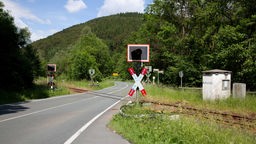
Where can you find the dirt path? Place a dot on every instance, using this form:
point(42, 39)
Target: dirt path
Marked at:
point(77, 90)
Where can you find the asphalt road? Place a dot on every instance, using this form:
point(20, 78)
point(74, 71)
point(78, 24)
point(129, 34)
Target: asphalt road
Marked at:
point(78, 118)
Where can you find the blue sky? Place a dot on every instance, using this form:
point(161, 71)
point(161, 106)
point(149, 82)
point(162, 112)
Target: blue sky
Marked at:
point(46, 17)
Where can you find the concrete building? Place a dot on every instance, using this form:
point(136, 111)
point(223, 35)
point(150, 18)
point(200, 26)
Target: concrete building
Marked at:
point(216, 84)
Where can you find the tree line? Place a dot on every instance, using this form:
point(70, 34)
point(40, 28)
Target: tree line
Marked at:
point(197, 35)
point(184, 35)
point(96, 44)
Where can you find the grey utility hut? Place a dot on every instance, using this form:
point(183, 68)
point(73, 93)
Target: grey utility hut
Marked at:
point(216, 84)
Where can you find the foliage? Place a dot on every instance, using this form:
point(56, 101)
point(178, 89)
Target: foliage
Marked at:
point(194, 36)
point(33, 59)
point(80, 64)
point(90, 52)
point(188, 35)
point(37, 91)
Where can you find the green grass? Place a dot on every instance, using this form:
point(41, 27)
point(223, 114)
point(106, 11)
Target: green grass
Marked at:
point(185, 130)
point(173, 94)
point(104, 84)
point(159, 129)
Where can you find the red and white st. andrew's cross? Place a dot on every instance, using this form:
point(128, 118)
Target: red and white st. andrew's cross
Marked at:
point(137, 81)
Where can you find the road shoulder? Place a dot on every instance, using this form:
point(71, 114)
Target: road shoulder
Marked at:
point(98, 132)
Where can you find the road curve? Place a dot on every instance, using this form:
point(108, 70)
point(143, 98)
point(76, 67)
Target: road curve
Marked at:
point(58, 120)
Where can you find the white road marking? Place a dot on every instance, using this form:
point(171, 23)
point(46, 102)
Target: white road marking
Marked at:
point(73, 137)
point(46, 109)
point(56, 97)
point(84, 127)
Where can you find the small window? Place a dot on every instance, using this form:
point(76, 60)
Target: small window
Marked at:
point(225, 85)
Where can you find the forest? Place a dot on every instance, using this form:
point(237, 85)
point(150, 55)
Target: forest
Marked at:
point(184, 35)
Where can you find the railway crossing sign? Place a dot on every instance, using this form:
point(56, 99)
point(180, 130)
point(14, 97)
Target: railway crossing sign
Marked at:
point(51, 70)
point(91, 72)
point(181, 74)
point(149, 70)
point(137, 81)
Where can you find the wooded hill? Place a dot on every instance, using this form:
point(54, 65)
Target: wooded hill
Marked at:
point(113, 30)
point(188, 35)
point(184, 35)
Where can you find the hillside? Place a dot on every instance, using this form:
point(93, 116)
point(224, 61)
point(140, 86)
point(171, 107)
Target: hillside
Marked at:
point(112, 29)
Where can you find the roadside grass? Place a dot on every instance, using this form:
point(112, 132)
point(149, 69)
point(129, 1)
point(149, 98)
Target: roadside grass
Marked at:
point(38, 91)
point(41, 90)
point(84, 84)
point(187, 129)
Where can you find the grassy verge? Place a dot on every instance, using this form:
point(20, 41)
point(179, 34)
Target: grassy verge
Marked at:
point(183, 131)
point(40, 90)
point(161, 129)
point(186, 129)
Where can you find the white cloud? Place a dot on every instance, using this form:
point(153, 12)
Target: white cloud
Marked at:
point(19, 13)
point(118, 6)
point(39, 34)
point(75, 5)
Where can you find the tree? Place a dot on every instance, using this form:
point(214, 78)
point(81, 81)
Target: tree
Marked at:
point(80, 65)
point(90, 52)
point(17, 70)
point(32, 58)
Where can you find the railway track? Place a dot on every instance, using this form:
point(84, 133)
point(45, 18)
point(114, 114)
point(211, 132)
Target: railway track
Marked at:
point(243, 121)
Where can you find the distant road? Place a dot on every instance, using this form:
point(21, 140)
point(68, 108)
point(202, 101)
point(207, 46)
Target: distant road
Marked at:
point(56, 120)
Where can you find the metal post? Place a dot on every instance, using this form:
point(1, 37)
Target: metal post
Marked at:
point(137, 67)
point(137, 97)
point(181, 82)
point(181, 76)
point(158, 78)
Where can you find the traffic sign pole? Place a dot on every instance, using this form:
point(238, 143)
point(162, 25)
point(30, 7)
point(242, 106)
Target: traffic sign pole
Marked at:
point(181, 76)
